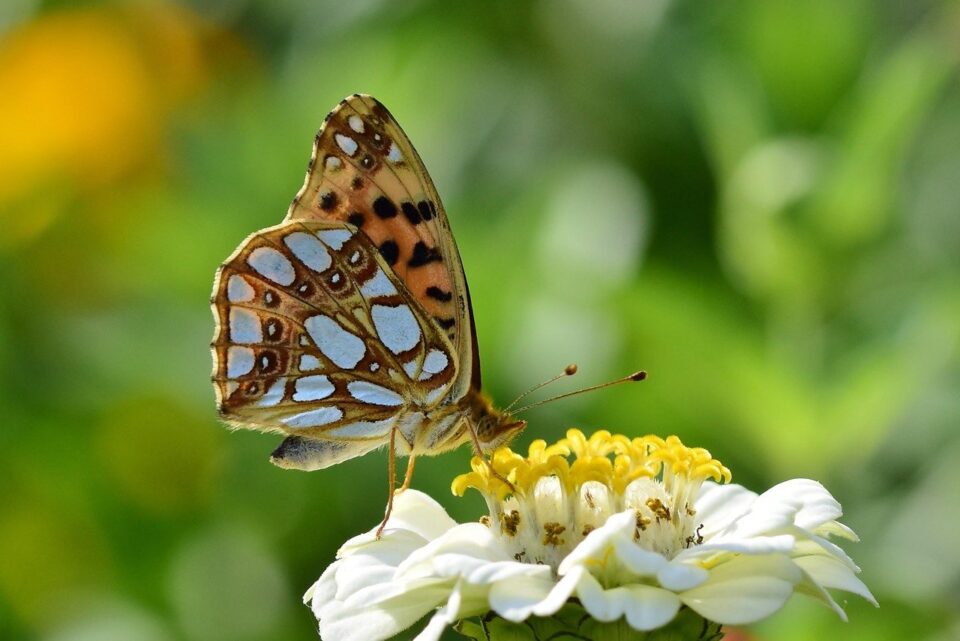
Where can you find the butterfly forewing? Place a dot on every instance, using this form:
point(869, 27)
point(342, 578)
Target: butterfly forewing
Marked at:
point(318, 337)
point(365, 171)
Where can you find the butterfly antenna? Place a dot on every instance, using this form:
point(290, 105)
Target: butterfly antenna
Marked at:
point(569, 370)
point(636, 376)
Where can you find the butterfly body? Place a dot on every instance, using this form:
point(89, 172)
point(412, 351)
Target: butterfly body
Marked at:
point(348, 326)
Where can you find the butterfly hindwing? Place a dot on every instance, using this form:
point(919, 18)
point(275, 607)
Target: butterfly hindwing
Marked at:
point(365, 171)
point(317, 337)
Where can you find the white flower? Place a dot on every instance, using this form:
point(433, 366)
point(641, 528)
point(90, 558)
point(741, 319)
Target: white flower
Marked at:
point(630, 528)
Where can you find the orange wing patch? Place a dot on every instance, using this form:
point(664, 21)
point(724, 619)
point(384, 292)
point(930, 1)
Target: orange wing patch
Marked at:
point(365, 172)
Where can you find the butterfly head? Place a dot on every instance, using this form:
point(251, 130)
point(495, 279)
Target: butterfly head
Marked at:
point(498, 430)
point(494, 428)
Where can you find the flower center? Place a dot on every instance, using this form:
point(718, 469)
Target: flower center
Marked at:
point(552, 502)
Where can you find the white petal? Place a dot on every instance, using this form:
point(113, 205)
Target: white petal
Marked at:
point(324, 590)
point(508, 570)
point(761, 519)
point(436, 626)
point(638, 560)
point(833, 528)
point(816, 504)
point(595, 544)
point(783, 544)
point(458, 606)
point(516, 599)
point(718, 506)
point(681, 576)
point(420, 513)
point(472, 544)
point(357, 573)
point(648, 607)
point(560, 593)
point(345, 623)
point(818, 545)
point(744, 590)
point(392, 549)
point(601, 605)
point(834, 574)
point(811, 588)
point(416, 512)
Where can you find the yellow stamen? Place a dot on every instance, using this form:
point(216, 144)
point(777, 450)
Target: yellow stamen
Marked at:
point(613, 460)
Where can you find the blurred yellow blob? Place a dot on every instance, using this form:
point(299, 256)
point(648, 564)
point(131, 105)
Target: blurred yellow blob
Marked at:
point(84, 97)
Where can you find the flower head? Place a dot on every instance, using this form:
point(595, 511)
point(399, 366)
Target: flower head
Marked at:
point(633, 529)
point(555, 503)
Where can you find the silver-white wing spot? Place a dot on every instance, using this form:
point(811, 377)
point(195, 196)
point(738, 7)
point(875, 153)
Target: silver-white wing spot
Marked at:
point(363, 429)
point(356, 123)
point(239, 290)
point(333, 163)
point(336, 343)
point(410, 367)
point(244, 326)
point(310, 251)
point(396, 327)
point(314, 418)
point(374, 394)
point(239, 361)
point(275, 394)
point(335, 238)
point(378, 285)
point(308, 362)
point(312, 388)
point(393, 154)
point(273, 265)
point(346, 143)
point(435, 362)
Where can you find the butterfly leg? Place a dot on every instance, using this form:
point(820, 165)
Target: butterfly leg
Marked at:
point(409, 475)
point(493, 472)
point(391, 480)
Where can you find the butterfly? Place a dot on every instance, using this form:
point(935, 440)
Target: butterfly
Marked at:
point(349, 326)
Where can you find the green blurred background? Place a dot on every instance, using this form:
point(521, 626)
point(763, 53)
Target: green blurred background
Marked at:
point(754, 200)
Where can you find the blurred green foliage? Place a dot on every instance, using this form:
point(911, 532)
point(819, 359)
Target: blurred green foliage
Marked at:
point(754, 200)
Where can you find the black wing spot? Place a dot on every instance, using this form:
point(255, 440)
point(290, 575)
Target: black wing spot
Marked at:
point(445, 323)
point(367, 162)
point(423, 255)
point(410, 212)
point(438, 294)
point(390, 252)
point(426, 211)
point(268, 361)
point(328, 200)
point(355, 219)
point(384, 207)
point(273, 330)
point(356, 183)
